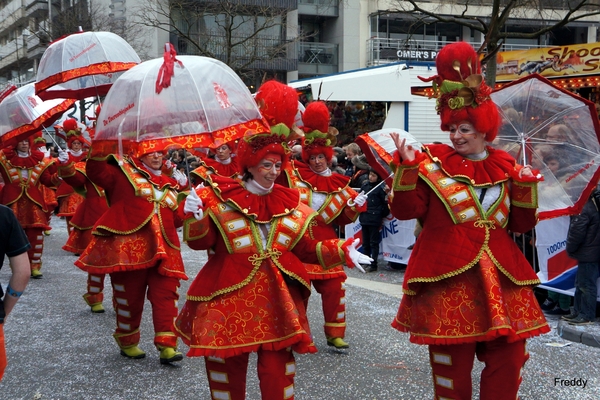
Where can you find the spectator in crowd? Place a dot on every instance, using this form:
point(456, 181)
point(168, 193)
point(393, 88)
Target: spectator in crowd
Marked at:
point(583, 244)
point(14, 244)
point(361, 171)
point(372, 219)
point(352, 150)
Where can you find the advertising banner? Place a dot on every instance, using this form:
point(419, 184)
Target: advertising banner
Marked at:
point(570, 60)
point(557, 270)
point(396, 237)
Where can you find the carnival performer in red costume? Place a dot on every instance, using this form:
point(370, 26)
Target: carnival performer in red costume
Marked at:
point(68, 198)
point(224, 164)
point(23, 170)
point(136, 242)
point(335, 202)
point(467, 288)
point(49, 193)
point(250, 296)
point(87, 214)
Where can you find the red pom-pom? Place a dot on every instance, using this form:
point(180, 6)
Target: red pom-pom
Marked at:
point(278, 103)
point(459, 53)
point(316, 117)
point(70, 125)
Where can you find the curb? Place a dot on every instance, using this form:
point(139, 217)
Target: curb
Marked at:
point(577, 334)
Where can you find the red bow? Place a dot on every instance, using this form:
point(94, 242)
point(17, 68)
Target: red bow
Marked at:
point(167, 69)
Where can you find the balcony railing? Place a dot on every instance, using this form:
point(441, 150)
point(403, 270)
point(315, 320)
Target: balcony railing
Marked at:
point(322, 8)
point(382, 50)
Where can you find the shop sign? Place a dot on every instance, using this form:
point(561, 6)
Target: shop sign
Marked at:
point(559, 61)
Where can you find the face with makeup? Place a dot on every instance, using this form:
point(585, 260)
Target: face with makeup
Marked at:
point(318, 163)
point(465, 139)
point(153, 160)
point(23, 146)
point(76, 145)
point(223, 152)
point(267, 170)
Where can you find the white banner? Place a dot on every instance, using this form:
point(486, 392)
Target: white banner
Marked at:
point(396, 237)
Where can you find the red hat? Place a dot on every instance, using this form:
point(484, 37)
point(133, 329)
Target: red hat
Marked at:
point(38, 139)
point(319, 137)
point(278, 104)
point(461, 91)
point(72, 132)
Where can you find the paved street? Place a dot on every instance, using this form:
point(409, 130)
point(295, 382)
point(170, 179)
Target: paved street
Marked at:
point(58, 349)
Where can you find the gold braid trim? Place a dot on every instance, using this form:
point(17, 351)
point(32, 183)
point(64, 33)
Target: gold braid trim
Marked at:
point(213, 216)
point(227, 289)
point(162, 228)
point(400, 175)
point(278, 339)
point(257, 259)
point(289, 273)
point(471, 335)
point(484, 248)
point(487, 224)
point(106, 228)
point(313, 223)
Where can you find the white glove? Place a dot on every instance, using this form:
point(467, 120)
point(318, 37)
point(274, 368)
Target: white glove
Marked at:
point(46, 152)
point(358, 200)
point(193, 204)
point(357, 257)
point(168, 164)
point(63, 156)
point(180, 177)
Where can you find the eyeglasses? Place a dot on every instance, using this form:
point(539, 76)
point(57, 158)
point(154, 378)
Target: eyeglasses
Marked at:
point(463, 130)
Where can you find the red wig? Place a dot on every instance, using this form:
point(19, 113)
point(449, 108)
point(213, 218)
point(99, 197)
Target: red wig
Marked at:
point(459, 63)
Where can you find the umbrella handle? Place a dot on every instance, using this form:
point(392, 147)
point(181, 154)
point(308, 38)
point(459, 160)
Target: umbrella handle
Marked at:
point(379, 184)
point(54, 140)
point(120, 142)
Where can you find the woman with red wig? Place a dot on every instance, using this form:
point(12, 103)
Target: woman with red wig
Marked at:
point(251, 294)
point(467, 288)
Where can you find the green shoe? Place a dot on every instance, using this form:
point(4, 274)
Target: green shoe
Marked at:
point(337, 342)
point(169, 355)
point(36, 274)
point(97, 308)
point(133, 352)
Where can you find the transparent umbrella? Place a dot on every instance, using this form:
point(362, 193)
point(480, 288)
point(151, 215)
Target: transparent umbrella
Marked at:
point(379, 148)
point(22, 113)
point(556, 132)
point(188, 101)
point(83, 64)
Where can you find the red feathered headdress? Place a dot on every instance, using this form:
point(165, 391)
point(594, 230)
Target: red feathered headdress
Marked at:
point(319, 137)
point(462, 94)
point(278, 104)
point(72, 132)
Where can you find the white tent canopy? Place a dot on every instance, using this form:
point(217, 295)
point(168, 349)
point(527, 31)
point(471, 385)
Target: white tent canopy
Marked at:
point(384, 83)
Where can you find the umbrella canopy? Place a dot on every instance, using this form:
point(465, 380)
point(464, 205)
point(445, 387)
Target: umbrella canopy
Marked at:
point(556, 132)
point(204, 103)
point(379, 148)
point(22, 113)
point(83, 64)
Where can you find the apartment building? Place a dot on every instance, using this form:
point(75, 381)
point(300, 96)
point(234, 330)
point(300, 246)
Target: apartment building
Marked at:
point(318, 37)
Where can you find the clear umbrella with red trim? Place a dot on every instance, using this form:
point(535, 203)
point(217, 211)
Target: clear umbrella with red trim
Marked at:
point(175, 102)
point(83, 64)
point(22, 113)
point(556, 132)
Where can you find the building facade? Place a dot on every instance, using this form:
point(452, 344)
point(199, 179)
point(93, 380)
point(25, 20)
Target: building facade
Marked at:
point(310, 38)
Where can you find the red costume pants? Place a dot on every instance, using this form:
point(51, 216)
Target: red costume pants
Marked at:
point(95, 287)
point(333, 297)
point(451, 367)
point(129, 290)
point(276, 372)
point(36, 239)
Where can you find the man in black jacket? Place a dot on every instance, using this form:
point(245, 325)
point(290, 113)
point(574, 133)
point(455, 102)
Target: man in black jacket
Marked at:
point(583, 244)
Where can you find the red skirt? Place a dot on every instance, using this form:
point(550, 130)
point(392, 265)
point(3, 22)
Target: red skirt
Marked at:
point(142, 249)
point(267, 313)
point(480, 304)
point(69, 204)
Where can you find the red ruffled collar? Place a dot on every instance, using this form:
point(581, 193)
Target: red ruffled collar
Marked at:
point(279, 201)
point(160, 181)
point(34, 158)
point(231, 169)
point(319, 183)
point(493, 169)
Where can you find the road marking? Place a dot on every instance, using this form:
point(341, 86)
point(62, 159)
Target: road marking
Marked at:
point(385, 288)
